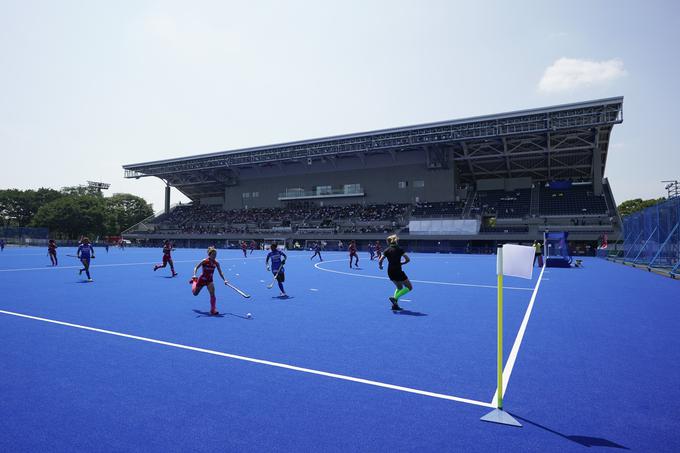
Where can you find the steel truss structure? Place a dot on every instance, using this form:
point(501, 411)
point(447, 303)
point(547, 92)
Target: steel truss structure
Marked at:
point(560, 142)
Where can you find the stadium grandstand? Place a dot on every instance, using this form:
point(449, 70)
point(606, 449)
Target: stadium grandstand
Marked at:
point(460, 184)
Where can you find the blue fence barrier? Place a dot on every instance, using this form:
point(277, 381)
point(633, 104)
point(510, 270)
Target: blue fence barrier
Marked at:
point(652, 236)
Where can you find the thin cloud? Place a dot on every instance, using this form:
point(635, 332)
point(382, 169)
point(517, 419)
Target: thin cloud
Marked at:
point(569, 73)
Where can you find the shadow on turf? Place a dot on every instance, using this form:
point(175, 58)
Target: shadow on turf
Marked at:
point(207, 314)
point(221, 315)
point(283, 297)
point(586, 441)
point(409, 313)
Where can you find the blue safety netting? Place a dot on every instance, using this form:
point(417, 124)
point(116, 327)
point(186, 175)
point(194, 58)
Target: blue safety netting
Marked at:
point(652, 236)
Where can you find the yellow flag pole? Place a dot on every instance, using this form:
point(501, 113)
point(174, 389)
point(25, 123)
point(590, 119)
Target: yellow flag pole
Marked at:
point(498, 415)
point(499, 403)
point(499, 271)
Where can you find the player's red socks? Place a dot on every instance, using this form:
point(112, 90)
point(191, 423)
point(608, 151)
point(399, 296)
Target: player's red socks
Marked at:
point(213, 303)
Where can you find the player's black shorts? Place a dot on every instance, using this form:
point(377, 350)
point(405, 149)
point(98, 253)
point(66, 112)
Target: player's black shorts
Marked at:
point(397, 276)
point(281, 277)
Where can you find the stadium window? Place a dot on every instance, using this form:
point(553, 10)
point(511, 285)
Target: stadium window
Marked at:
point(402, 184)
point(246, 195)
point(352, 188)
point(255, 194)
point(419, 183)
point(324, 190)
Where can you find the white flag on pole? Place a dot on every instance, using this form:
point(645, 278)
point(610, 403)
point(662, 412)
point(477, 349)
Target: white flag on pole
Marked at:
point(517, 261)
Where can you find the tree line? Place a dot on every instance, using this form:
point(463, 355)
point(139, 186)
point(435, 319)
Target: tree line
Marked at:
point(638, 204)
point(72, 211)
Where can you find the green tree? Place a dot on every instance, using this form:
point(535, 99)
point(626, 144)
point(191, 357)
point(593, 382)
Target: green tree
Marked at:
point(17, 207)
point(72, 215)
point(124, 210)
point(638, 204)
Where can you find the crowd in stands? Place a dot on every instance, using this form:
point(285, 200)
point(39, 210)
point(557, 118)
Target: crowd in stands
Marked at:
point(513, 204)
point(438, 209)
point(197, 219)
point(578, 200)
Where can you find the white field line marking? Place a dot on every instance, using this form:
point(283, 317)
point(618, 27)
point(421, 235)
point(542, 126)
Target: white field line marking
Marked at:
point(317, 265)
point(260, 361)
point(507, 371)
point(47, 267)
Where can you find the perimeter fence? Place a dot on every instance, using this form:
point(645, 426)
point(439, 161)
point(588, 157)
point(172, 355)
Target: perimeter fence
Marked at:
point(652, 237)
point(24, 235)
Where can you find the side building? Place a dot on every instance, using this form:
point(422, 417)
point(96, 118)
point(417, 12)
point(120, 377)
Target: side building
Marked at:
point(474, 181)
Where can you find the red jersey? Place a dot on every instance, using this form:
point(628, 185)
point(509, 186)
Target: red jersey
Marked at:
point(352, 249)
point(208, 266)
point(243, 245)
point(52, 248)
point(166, 250)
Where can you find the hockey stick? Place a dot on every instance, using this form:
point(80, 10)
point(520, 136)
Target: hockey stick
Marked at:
point(270, 285)
point(247, 296)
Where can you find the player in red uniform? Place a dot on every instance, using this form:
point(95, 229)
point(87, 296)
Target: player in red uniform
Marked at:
point(167, 259)
point(244, 247)
point(253, 244)
point(378, 249)
point(206, 279)
point(52, 251)
point(353, 254)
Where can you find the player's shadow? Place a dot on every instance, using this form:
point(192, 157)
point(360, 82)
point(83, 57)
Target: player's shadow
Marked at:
point(207, 314)
point(283, 297)
point(409, 313)
point(585, 441)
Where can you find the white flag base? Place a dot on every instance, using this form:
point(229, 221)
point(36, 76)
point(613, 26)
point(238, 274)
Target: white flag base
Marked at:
point(500, 416)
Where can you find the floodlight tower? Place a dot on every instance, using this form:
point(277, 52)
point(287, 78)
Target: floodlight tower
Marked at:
point(673, 188)
point(98, 185)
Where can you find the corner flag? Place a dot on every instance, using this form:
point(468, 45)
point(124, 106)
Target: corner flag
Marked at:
point(515, 261)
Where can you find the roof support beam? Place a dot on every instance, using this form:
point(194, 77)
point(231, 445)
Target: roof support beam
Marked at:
point(466, 155)
point(507, 156)
point(547, 153)
point(597, 164)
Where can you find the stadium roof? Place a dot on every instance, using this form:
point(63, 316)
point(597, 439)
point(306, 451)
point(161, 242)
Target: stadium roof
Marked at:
point(558, 142)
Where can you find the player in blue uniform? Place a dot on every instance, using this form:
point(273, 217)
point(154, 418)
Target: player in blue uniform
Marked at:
point(85, 253)
point(278, 259)
point(2, 245)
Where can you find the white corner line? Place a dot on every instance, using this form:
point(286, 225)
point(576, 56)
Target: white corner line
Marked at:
point(429, 282)
point(512, 358)
point(259, 361)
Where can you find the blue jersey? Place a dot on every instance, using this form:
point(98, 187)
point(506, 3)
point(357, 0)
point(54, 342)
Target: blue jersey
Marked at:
point(85, 250)
point(277, 257)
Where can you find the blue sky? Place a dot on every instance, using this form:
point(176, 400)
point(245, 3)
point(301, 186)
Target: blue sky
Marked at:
point(87, 86)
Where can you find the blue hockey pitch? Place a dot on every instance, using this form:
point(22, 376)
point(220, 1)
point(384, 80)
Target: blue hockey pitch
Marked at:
point(133, 362)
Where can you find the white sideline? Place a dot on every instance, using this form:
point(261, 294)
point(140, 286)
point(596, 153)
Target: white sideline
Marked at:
point(471, 285)
point(260, 361)
point(512, 358)
point(46, 267)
